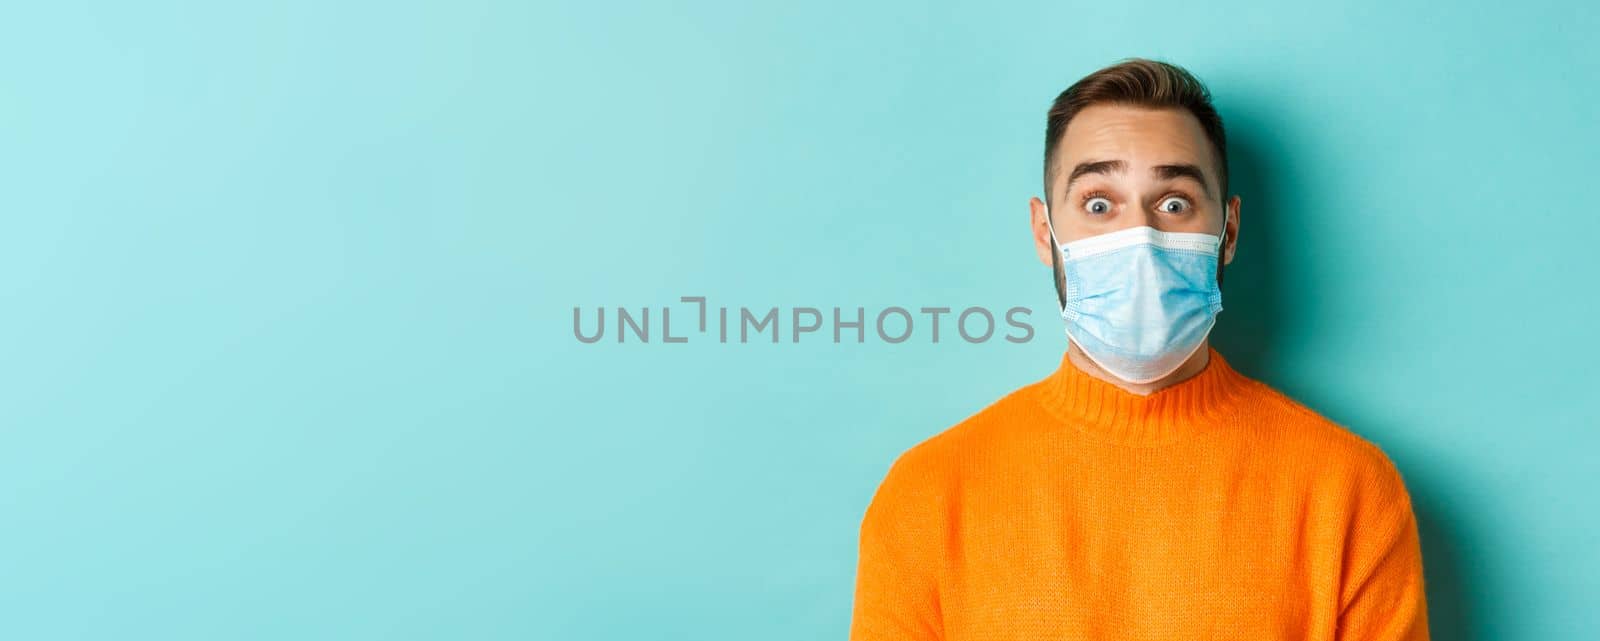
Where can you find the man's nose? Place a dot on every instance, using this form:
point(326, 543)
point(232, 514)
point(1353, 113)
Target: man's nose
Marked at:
point(1143, 217)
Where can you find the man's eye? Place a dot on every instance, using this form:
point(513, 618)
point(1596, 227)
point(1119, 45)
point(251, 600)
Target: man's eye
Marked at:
point(1097, 205)
point(1174, 205)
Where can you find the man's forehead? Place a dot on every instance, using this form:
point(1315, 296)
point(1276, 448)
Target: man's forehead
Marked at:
point(1166, 143)
point(1141, 136)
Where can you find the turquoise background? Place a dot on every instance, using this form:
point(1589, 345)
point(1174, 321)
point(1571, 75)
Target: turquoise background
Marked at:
point(288, 289)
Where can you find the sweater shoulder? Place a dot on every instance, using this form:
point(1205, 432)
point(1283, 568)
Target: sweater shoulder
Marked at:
point(1327, 447)
point(941, 455)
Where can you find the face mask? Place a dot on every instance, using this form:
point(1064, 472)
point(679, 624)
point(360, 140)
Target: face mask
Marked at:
point(1139, 302)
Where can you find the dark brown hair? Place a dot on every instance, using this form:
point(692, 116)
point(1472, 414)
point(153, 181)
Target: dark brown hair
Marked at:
point(1139, 82)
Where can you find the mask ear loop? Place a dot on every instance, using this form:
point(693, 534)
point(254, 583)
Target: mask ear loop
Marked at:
point(1222, 244)
point(1057, 271)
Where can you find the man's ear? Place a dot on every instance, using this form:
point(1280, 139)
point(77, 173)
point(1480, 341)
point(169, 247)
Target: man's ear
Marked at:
point(1232, 241)
point(1041, 233)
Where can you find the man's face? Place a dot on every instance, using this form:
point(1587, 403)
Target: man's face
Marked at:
point(1119, 166)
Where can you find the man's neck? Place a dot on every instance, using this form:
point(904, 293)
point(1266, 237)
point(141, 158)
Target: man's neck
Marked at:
point(1197, 362)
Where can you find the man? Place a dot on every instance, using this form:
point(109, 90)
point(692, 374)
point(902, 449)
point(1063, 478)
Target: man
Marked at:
point(1145, 489)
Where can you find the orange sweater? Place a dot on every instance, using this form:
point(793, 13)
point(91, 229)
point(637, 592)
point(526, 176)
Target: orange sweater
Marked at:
point(1071, 509)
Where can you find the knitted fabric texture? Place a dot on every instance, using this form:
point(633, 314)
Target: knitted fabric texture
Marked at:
point(1071, 509)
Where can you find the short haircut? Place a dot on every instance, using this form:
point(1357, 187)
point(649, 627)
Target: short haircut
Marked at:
point(1143, 83)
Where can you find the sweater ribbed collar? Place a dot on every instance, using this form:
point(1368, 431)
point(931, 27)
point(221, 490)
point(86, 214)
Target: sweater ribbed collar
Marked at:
point(1104, 412)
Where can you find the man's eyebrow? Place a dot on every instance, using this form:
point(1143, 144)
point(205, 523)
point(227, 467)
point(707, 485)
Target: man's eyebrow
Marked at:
point(1095, 167)
point(1169, 172)
point(1164, 172)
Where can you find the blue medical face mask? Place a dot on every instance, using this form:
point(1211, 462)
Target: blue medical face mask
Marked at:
point(1139, 302)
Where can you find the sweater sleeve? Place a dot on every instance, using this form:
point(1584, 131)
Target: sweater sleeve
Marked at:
point(1383, 597)
point(896, 595)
